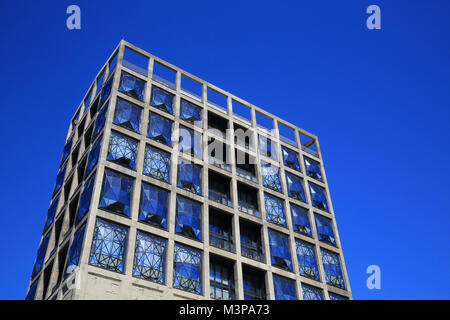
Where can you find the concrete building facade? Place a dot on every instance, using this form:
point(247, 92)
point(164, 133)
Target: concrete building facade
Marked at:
point(237, 208)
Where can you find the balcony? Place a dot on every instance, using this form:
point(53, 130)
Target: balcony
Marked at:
point(245, 166)
point(217, 125)
point(247, 200)
point(219, 189)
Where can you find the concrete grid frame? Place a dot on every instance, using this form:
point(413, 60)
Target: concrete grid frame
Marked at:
point(90, 282)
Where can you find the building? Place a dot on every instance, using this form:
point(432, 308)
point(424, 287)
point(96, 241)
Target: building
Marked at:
point(139, 213)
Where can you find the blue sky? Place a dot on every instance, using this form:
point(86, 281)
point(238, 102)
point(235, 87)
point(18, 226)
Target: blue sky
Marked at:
point(378, 100)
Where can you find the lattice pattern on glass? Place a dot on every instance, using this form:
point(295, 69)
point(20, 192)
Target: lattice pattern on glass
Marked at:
point(149, 257)
point(332, 267)
point(75, 250)
point(270, 176)
point(311, 293)
point(307, 262)
point(313, 169)
point(108, 246)
point(325, 230)
point(116, 193)
point(188, 219)
point(274, 210)
point(295, 187)
point(318, 197)
point(187, 269)
point(157, 164)
point(85, 198)
point(153, 206)
point(122, 150)
point(300, 220)
point(290, 158)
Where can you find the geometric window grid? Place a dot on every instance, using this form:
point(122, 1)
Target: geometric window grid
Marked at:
point(311, 293)
point(85, 198)
point(60, 178)
point(160, 129)
point(93, 156)
point(132, 86)
point(162, 100)
point(188, 218)
point(318, 197)
point(334, 296)
point(189, 177)
point(51, 213)
point(116, 193)
point(332, 267)
point(122, 150)
point(307, 263)
point(279, 250)
point(190, 142)
point(325, 230)
point(191, 113)
point(270, 176)
point(108, 246)
point(187, 269)
point(295, 187)
point(300, 220)
point(127, 115)
point(284, 288)
point(75, 250)
point(40, 255)
point(100, 121)
point(313, 169)
point(157, 164)
point(149, 257)
point(274, 210)
point(267, 148)
point(290, 158)
point(153, 206)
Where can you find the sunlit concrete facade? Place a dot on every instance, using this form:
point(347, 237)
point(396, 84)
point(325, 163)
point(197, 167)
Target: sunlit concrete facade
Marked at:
point(98, 200)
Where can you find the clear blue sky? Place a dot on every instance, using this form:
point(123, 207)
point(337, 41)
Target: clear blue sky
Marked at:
point(378, 100)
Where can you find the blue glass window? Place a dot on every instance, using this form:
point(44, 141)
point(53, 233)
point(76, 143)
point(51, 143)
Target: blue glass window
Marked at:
point(191, 113)
point(108, 246)
point(189, 176)
point(116, 193)
point(267, 147)
point(32, 292)
point(127, 115)
point(290, 158)
point(325, 230)
point(51, 213)
point(279, 250)
point(160, 129)
point(41, 255)
point(313, 169)
point(274, 210)
point(153, 207)
point(85, 198)
point(187, 269)
point(334, 296)
point(162, 100)
point(270, 176)
point(318, 197)
point(307, 262)
point(190, 142)
point(295, 187)
point(93, 155)
point(332, 267)
point(157, 164)
point(132, 86)
point(60, 178)
point(100, 121)
point(284, 288)
point(311, 293)
point(106, 91)
point(300, 220)
point(67, 148)
point(75, 250)
point(188, 220)
point(149, 257)
point(122, 150)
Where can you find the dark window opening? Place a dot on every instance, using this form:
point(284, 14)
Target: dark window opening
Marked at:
point(88, 136)
point(217, 123)
point(219, 188)
point(67, 188)
point(221, 278)
point(248, 200)
point(220, 231)
point(94, 107)
point(218, 154)
point(254, 283)
point(80, 170)
point(75, 156)
point(58, 227)
point(243, 137)
point(61, 263)
point(251, 245)
point(73, 211)
point(47, 275)
point(245, 166)
point(81, 128)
